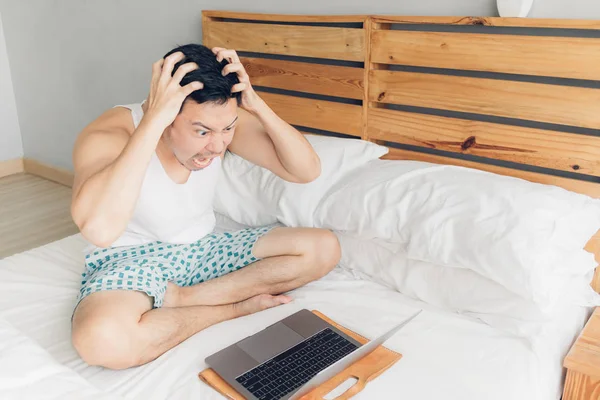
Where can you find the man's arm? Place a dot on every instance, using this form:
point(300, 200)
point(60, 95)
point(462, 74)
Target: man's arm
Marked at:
point(110, 164)
point(262, 137)
point(109, 170)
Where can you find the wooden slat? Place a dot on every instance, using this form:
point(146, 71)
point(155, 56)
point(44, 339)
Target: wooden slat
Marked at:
point(588, 188)
point(564, 57)
point(584, 356)
point(284, 17)
point(549, 149)
point(579, 386)
point(317, 114)
point(306, 41)
point(493, 21)
point(305, 77)
point(523, 100)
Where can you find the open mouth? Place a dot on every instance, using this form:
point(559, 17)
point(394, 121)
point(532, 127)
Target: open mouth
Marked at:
point(202, 162)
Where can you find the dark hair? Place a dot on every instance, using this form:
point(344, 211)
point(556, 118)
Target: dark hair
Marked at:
point(217, 88)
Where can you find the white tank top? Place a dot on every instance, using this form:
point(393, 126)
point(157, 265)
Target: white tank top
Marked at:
point(167, 211)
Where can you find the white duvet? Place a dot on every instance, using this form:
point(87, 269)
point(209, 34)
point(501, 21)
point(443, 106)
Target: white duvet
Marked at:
point(445, 355)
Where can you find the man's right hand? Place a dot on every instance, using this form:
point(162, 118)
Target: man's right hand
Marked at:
point(166, 94)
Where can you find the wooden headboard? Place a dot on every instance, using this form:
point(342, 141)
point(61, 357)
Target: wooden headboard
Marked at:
point(513, 96)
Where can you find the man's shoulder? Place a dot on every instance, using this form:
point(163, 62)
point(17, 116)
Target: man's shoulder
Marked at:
point(116, 120)
point(113, 128)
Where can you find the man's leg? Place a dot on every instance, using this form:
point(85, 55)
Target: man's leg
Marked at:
point(118, 329)
point(290, 258)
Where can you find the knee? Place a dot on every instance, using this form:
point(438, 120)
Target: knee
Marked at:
point(104, 342)
point(325, 252)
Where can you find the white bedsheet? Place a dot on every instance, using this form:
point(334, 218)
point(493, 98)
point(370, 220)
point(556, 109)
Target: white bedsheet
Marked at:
point(27, 371)
point(445, 355)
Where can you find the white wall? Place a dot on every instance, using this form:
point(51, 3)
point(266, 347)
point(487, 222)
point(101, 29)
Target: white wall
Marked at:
point(10, 134)
point(571, 9)
point(73, 59)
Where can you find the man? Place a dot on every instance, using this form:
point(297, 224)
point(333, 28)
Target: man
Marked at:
point(144, 181)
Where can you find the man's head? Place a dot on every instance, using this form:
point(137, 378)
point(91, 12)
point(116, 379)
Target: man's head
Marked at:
point(205, 125)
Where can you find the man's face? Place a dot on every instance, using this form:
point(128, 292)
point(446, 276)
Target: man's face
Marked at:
point(202, 132)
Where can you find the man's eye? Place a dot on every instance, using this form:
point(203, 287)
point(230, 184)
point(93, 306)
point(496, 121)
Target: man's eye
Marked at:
point(201, 133)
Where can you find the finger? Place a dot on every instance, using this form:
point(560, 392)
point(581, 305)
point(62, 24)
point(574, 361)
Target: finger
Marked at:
point(157, 67)
point(173, 59)
point(156, 70)
point(230, 55)
point(238, 87)
point(192, 87)
point(168, 65)
point(183, 70)
point(237, 68)
point(216, 50)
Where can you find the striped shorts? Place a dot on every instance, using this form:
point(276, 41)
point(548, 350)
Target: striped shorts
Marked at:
point(148, 268)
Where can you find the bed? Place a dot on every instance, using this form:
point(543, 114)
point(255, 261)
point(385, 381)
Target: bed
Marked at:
point(491, 96)
point(445, 355)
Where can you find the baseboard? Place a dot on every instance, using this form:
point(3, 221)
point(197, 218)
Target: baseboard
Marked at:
point(10, 167)
point(55, 174)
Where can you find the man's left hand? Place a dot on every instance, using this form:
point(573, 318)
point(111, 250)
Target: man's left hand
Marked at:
point(250, 99)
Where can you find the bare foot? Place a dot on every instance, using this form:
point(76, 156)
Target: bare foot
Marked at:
point(172, 296)
point(259, 303)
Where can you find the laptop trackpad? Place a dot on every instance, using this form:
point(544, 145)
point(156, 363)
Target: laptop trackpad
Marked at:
point(270, 342)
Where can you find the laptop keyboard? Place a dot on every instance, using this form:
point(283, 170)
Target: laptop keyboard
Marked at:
point(291, 369)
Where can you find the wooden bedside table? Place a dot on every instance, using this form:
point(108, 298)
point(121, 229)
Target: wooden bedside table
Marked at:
point(583, 363)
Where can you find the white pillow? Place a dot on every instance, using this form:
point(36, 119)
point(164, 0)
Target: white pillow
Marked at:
point(457, 290)
point(525, 236)
point(254, 196)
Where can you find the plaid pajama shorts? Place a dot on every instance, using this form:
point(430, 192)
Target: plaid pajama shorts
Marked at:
point(148, 268)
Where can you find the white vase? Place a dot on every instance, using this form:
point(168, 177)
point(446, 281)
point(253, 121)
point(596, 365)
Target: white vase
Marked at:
point(514, 8)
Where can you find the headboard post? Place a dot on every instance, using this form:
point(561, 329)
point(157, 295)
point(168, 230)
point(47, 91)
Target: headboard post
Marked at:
point(367, 27)
point(205, 25)
point(370, 66)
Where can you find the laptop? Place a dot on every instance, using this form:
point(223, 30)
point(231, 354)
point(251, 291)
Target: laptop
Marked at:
point(291, 357)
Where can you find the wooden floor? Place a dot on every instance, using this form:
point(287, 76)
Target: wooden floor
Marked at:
point(33, 212)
